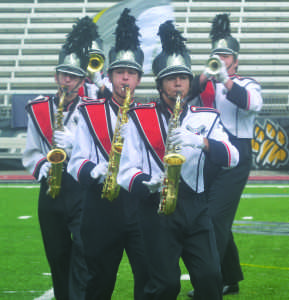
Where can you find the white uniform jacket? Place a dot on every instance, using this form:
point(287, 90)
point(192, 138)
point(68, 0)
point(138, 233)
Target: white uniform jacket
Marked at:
point(41, 115)
point(144, 145)
point(94, 135)
point(239, 106)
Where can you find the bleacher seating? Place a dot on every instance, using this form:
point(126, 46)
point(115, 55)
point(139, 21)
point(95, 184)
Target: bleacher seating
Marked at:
point(32, 32)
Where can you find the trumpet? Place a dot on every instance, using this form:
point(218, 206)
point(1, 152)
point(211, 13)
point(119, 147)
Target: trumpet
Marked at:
point(95, 64)
point(213, 65)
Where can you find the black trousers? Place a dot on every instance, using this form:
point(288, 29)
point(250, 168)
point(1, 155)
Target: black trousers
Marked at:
point(224, 195)
point(188, 234)
point(59, 220)
point(109, 228)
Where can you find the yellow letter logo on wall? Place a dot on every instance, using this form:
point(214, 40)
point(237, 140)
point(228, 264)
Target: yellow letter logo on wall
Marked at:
point(270, 144)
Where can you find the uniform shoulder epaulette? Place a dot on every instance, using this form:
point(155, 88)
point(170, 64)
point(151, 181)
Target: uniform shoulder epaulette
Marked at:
point(90, 101)
point(145, 105)
point(38, 99)
point(204, 109)
point(241, 78)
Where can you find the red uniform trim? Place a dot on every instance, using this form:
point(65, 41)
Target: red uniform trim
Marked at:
point(149, 122)
point(98, 117)
point(208, 95)
point(42, 114)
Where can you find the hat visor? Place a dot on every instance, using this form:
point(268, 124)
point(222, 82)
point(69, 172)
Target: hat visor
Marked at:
point(223, 51)
point(71, 70)
point(174, 70)
point(125, 64)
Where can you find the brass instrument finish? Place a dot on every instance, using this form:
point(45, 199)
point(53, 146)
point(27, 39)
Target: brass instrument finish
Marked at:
point(110, 188)
point(213, 66)
point(95, 64)
point(56, 156)
point(173, 162)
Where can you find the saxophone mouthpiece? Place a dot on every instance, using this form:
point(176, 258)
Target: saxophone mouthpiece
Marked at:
point(125, 87)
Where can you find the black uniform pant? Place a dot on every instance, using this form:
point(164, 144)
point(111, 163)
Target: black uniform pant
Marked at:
point(224, 195)
point(109, 228)
point(188, 234)
point(59, 220)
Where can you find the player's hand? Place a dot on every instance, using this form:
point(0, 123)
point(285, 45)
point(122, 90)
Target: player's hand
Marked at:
point(63, 139)
point(154, 185)
point(184, 137)
point(99, 170)
point(97, 79)
point(44, 170)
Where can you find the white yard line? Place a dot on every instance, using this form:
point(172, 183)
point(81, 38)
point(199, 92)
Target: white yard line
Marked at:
point(48, 295)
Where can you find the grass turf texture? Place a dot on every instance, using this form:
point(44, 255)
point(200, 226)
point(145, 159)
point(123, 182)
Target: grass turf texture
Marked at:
point(23, 264)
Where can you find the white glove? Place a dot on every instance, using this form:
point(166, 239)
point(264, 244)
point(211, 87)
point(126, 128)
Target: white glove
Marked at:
point(222, 76)
point(154, 185)
point(44, 170)
point(123, 130)
point(184, 137)
point(97, 79)
point(99, 170)
point(63, 139)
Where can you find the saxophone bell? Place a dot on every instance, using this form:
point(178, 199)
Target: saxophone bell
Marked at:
point(56, 157)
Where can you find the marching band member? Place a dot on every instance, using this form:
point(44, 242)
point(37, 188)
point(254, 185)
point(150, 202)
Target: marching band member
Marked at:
point(96, 86)
point(109, 227)
point(187, 232)
point(52, 125)
point(239, 100)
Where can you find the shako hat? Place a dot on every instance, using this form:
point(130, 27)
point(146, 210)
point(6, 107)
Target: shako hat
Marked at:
point(222, 40)
point(126, 53)
point(74, 54)
point(174, 57)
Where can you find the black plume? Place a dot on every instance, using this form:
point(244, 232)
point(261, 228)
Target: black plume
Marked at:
point(127, 32)
point(171, 39)
point(79, 40)
point(220, 27)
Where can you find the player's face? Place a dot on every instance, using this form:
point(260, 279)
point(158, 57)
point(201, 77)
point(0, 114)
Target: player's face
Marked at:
point(122, 77)
point(173, 84)
point(71, 82)
point(230, 62)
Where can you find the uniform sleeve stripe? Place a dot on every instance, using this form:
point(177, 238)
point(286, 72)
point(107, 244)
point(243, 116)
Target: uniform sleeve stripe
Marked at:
point(38, 166)
point(229, 154)
point(81, 168)
point(132, 180)
point(248, 100)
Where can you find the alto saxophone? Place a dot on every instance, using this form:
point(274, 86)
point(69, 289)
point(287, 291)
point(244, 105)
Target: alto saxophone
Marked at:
point(173, 162)
point(57, 155)
point(111, 188)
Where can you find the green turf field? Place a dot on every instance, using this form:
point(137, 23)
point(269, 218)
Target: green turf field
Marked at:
point(262, 235)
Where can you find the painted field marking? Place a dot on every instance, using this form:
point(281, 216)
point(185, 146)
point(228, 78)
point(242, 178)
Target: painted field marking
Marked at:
point(48, 295)
point(265, 267)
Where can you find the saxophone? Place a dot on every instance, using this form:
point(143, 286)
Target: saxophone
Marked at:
point(111, 188)
point(57, 155)
point(173, 163)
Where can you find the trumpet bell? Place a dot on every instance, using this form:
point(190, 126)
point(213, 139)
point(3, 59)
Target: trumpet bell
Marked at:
point(95, 63)
point(213, 66)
